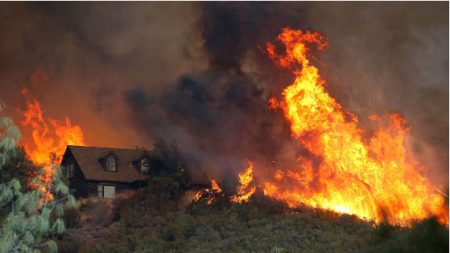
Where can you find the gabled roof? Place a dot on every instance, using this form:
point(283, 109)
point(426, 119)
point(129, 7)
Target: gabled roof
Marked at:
point(88, 158)
point(88, 161)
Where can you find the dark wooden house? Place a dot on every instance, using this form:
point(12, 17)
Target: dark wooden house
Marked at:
point(103, 172)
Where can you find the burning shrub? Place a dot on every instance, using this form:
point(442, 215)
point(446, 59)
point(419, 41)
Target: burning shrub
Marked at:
point(151, 222)
point(32, 222)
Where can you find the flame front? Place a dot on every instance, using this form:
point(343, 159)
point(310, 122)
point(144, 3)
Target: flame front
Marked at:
point(244, 191)
point(375, 179)
point(46, 142)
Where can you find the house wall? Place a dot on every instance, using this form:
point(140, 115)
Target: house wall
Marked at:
point(89, 188)
point(77, 183)
point(92, 187)
point(80, 187)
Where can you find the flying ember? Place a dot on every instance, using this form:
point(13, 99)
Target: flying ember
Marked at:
point(374, 178)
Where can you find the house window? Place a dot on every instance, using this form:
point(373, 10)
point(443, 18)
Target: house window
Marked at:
point(100, 191)
point(70, 170)
point(111, 164)
point(106, 191)
point(145, 165)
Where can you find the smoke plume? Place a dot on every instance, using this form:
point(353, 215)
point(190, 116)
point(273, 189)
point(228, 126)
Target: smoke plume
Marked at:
point(129, 73)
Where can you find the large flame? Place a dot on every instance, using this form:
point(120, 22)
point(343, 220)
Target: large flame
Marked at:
point(244, 190)
point(375, 178)
point(45, 142)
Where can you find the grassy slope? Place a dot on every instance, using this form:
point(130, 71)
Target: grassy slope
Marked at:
point(151, 223)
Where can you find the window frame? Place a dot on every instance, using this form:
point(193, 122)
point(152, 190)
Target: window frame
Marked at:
point(70, 170)
point(114, 191)
point(101, 190)
point(145, 161)
point(111, 160)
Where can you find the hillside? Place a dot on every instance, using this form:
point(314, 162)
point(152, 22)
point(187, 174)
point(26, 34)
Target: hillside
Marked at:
point(150, 222)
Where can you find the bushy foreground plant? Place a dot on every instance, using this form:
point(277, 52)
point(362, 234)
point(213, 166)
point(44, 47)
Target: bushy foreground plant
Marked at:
point(31, 223)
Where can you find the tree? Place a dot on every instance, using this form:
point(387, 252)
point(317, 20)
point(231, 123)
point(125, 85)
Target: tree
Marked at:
point(18, 166)
point(31, 223)
point(169, 170)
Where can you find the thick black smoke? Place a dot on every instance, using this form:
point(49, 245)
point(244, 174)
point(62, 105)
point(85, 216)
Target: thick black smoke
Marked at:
point(220, 115)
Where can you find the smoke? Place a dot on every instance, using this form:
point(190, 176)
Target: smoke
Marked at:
point(194, 72)
point(90, 54)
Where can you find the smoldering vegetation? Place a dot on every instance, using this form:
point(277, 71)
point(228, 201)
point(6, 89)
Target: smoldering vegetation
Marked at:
point(131, 73)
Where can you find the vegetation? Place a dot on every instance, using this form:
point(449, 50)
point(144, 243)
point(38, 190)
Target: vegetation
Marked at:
point(19, 167)
point(152, 219)
point(151, 222)
point(169, 172)
point(27, 223)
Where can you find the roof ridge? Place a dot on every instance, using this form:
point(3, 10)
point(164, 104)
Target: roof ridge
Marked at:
point(132, 149)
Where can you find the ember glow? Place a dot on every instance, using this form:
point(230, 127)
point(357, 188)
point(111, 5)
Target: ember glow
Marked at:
point(47, 141)
point(374, 178)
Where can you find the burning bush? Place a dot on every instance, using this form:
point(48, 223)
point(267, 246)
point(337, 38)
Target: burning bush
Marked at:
point(31, 223)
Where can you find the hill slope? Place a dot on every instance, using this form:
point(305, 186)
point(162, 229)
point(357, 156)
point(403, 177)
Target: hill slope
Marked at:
point(149, 222)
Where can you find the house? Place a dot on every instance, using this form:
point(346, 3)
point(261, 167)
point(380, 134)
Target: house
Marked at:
point(103, 171)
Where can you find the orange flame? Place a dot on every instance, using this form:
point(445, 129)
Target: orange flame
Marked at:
point(49, 138)
point(377, 180)
point(215, 186)
point(244, 191)
point(209, 194)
